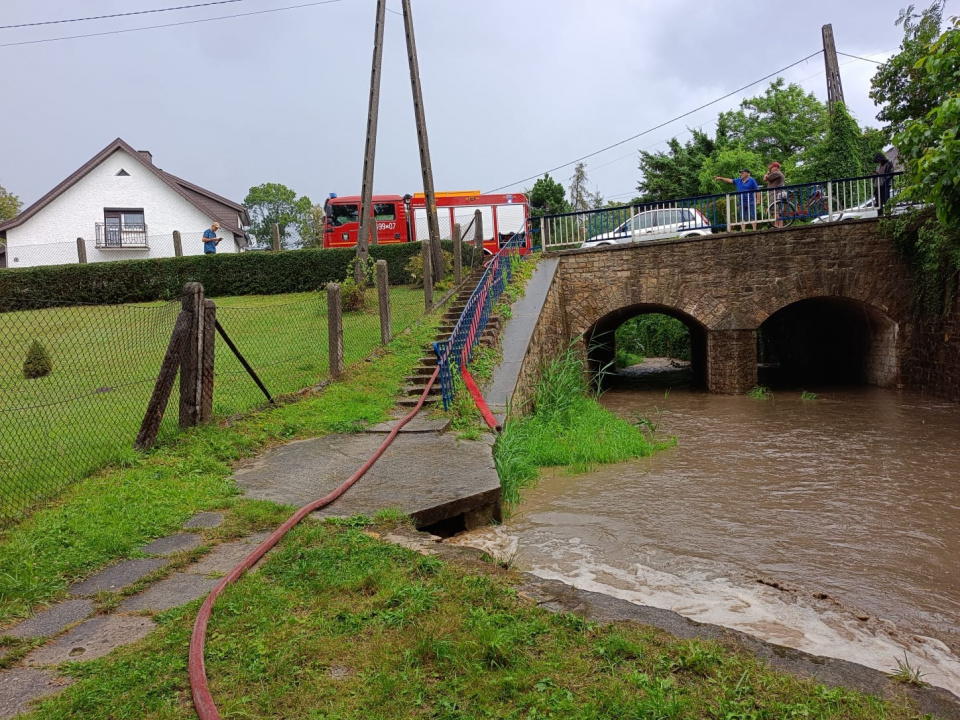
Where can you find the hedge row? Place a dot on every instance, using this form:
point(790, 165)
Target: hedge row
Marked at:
point(250, 273)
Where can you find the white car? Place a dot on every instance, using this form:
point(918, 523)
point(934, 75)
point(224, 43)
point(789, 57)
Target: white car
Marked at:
point(866, 211)
point(655, 225)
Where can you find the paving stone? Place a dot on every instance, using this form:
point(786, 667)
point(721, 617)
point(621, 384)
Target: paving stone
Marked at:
point(93, 639)
point(19, 686)
point(204, 520)
point(222, 559)
point(53, 620)
point(176, 590)
point(173, 544)
point(116, 577)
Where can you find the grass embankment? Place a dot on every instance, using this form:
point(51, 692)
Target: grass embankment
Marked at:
point(339, 624)
point(110, 514)
point(567, 428)
point(86, 413)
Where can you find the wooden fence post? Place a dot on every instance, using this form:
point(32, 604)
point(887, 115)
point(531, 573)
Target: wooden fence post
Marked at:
point(81, 251)
point(383, 296)
point(150, 426)
point(192, 303)
point(177, 244)
point(207, 362)
point(457, 255)
point(478, 234)
point(427, 275)
point(335, 330)
point(275, 229)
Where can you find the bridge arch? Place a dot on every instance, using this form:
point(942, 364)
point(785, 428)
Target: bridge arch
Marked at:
point(600, 337)
point(832, 340)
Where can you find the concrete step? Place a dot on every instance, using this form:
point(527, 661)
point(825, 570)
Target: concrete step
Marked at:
point(410, 401)
point(424, 370)
point(417, 391)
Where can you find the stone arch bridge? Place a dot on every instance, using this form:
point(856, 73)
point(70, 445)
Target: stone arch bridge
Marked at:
point(834, 300)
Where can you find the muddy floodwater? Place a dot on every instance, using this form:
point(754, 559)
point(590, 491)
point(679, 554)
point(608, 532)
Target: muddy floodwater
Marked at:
point(831, 526)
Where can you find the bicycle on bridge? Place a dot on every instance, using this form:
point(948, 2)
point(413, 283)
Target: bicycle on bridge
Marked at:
point(790, 205)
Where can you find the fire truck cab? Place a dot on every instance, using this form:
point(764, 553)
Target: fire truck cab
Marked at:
point(404, 219)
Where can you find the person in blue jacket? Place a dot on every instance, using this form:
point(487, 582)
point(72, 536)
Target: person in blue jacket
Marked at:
point(747, 188)
point(210, 239)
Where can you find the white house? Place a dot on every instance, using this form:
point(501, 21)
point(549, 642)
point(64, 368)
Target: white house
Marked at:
point(124, 208)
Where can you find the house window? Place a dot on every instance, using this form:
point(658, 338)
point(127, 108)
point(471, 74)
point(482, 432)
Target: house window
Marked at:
point(122, 228)
point(123, 173)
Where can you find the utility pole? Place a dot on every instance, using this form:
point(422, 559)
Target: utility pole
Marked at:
point(834, 86)
point(370, 152)
point(426, 167)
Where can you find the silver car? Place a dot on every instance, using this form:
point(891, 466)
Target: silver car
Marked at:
point(655, 225)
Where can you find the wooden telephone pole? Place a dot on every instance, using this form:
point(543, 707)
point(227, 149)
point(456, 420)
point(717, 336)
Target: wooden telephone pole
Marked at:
point(834, 86)
point(369, 156)
point(426, 167)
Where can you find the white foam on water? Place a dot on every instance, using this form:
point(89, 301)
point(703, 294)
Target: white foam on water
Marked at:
point(772, 615)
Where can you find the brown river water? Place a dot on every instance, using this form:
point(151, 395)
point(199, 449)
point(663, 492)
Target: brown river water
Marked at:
point(830, 526)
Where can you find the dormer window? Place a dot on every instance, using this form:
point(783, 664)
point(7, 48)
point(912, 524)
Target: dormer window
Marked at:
point(123, 173)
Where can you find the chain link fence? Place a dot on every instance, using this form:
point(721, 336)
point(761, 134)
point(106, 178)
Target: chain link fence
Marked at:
point(75, 382)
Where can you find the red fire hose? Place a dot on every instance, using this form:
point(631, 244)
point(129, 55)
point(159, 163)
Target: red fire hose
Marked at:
point(202, 699)
point(478, 399)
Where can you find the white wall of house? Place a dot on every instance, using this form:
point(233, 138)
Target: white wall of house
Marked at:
point(50, 237)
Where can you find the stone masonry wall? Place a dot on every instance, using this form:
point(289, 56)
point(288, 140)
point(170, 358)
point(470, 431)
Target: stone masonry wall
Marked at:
point(549, 339)
point(932, 364)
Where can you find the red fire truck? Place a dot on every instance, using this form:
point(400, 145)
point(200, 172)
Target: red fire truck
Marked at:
point(404, 219)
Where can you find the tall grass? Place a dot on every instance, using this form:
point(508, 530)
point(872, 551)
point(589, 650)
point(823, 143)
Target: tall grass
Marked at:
point(568, 427)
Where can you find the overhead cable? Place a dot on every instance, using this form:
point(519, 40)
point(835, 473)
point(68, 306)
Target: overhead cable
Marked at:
point(176, 24)
point(118, 15)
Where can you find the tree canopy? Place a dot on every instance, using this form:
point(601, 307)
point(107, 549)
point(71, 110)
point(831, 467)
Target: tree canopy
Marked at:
point(782, 124)
point(9, 205)
point(547, 197)
point(840, 153)
point(929, 144)
point(675, 173)
point(275, 203)
point(903, 88)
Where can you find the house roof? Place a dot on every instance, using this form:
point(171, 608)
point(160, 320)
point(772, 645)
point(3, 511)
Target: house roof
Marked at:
point(210, 204)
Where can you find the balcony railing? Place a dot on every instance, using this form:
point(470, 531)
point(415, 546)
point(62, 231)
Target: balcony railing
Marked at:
point(121, 236)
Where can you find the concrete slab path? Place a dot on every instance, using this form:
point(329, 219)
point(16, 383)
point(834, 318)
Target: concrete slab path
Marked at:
point(53, 621)
point(20, 686)
point(430, 477)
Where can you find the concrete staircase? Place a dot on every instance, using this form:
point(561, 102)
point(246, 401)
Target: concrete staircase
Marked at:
point(418, 379)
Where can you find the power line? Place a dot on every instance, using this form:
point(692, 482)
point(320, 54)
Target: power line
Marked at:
point(857, 57)
point(663, 124)
point(168, 25)
point(117, 15)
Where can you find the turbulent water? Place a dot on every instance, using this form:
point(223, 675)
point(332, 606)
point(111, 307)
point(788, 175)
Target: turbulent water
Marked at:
point(830, 526)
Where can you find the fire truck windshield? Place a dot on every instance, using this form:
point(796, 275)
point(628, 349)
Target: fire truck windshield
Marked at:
point(345, 214)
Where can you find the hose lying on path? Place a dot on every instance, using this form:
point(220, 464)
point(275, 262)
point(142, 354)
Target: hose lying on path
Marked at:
point(202, 699)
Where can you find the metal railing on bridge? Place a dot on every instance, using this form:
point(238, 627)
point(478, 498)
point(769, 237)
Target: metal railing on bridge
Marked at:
point(815, 202)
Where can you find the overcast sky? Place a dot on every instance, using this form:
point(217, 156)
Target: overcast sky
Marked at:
point(511, 88)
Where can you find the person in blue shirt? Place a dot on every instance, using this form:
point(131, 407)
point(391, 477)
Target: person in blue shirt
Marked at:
point(747, 188)
point(210, 239)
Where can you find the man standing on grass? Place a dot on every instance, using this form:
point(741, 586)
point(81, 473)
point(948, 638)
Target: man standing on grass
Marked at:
point(747, 189)
point(210, 239)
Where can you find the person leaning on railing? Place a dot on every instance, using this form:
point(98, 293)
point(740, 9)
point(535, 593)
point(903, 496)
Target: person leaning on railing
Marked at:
point(775, 180)
point(747, 188)
point(881, 186)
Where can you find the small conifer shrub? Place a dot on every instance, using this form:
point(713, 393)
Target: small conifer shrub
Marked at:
point(38, 363)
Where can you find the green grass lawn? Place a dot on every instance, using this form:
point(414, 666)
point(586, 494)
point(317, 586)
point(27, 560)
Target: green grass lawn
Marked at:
point(86, 413)
point(339, 624)
point(111, 513)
